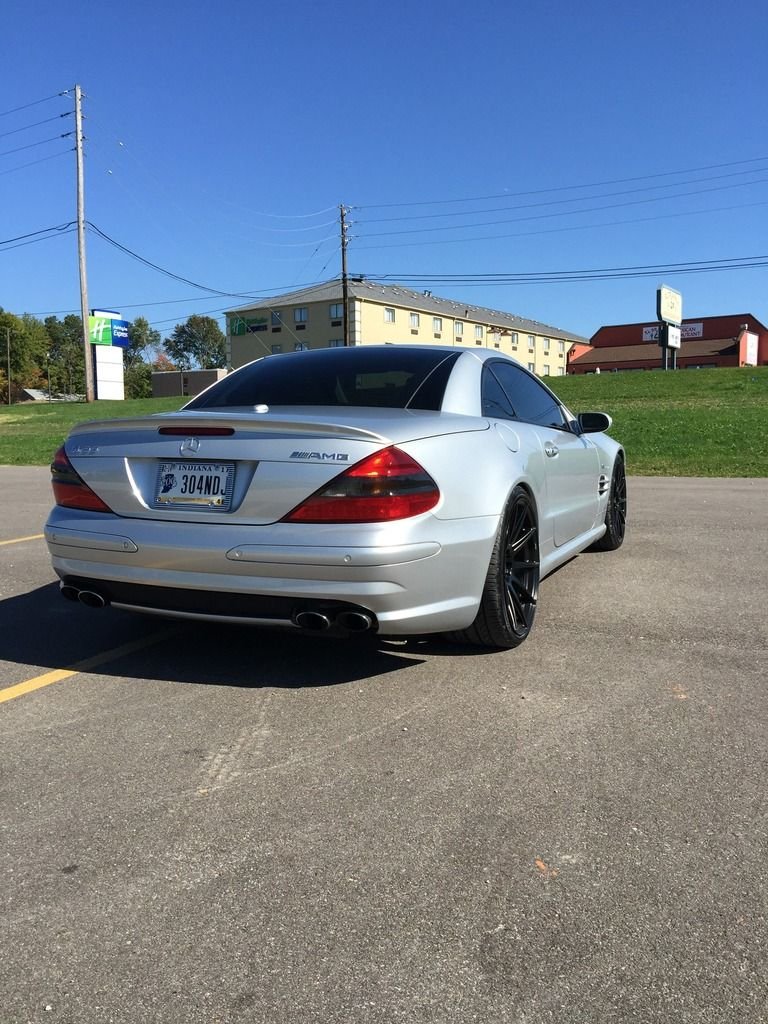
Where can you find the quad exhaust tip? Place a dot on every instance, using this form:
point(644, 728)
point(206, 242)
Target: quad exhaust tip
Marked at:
point(317, 622)
point(90, 598)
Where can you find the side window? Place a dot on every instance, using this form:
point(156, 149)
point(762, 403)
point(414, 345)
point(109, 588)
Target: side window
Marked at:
point(494, 402)
point(532, 402)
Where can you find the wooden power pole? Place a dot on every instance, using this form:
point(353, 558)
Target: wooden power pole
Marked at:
point(89, 389)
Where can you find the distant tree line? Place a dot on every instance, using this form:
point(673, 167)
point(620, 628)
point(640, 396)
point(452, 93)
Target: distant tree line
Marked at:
point(52, 349)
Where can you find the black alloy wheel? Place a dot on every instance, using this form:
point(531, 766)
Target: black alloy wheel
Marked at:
point(616, 512)
point(521, 566)
point(508, 604)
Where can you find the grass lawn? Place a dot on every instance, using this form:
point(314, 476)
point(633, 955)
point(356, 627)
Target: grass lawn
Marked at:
point(688, 423)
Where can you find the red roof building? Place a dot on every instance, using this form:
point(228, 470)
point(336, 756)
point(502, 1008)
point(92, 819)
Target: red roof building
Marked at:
point(707, 341)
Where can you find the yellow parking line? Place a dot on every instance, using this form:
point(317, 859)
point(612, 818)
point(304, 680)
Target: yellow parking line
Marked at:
point(38, 682)
point(20, 540)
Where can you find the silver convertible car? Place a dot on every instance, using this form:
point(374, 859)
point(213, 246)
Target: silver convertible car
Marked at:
point(396, 489)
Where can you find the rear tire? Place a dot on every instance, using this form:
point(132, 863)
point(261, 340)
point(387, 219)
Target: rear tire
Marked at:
point(616, 512)
point(508, 604)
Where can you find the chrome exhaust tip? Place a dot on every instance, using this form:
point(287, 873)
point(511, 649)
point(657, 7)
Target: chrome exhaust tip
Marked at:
point(91, 599)
point(68, 592)
point(354, 622)
point(316, 622)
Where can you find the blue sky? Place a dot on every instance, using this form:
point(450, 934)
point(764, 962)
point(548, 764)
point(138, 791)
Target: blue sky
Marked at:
point(221, 139)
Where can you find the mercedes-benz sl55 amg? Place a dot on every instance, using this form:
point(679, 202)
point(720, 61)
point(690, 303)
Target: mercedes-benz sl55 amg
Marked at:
point(396, 489)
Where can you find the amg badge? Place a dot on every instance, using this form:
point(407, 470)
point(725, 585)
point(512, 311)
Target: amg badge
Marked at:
point(322, 456)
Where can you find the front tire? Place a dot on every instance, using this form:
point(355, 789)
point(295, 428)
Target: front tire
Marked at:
point(508, 604)
point(616, 512)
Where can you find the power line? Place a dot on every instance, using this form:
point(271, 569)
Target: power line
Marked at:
point(162, 270)
point(31, 145)
point(565, 202)
point(560, 188)
point(602, 274)
point(565, 213)
point(34, 103)
point(570, 227)
point(36, 124)
point(42, 160)
point(42, 231)
point(33, 241)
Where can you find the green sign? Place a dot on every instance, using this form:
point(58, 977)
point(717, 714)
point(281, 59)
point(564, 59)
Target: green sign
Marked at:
point(247, 325)
point(100, 330)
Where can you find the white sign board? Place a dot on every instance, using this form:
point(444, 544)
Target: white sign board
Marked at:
point(673, 336)
point(750, 358)
point(687, 331)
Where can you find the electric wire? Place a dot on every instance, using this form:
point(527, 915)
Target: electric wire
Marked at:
point(42, 160)
point(570, 227)
point(31, 145)
point(561, 188)
point(565, 202)
point(27, 127)
point(34, 103)
point(564, 213)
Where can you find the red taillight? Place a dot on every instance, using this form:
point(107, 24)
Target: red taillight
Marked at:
point(69, 489)
point(388, 485)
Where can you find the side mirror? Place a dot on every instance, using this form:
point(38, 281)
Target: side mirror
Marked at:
point(593, 422)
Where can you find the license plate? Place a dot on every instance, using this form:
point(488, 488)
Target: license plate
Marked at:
point(203, 485)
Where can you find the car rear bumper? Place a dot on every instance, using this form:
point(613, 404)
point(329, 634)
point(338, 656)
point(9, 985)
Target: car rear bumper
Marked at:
point(416, 576)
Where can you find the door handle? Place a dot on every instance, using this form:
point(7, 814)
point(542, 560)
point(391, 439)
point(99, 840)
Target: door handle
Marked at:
point(551, 450)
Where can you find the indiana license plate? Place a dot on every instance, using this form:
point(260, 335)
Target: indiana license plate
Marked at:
point(204, 485)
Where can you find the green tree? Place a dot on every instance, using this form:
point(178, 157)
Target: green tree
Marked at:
point(67, 357)
point(25, 339)
point(138, 380)
point(197, 343)
point(145, 342)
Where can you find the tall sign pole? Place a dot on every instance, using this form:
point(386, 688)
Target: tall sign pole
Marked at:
point(669, 313)
point(89, 392)
point(344, 276)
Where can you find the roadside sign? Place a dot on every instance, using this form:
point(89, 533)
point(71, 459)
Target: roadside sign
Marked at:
point(669, 305)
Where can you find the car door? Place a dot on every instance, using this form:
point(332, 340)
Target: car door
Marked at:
point(572, 461)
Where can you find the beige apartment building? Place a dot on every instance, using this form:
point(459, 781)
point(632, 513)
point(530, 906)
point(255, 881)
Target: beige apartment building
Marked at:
point(389, 314)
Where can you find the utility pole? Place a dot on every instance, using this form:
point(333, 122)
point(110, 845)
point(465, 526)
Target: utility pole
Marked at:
point(344, 277)
point(8, 355)
point(89, 392)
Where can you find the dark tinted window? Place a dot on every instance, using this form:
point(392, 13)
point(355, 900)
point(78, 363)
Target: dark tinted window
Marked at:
point(495, 402)
point(531, 401)
point(392, 378)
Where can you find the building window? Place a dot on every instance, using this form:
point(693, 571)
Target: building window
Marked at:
point(458, 328)
point(546, 344)
point(561, 346)
point(478, 332)
point(277, 318)
point(437, 324)
point(336, 310)
point(415, 319)
point(300, 315)
point(336, 343)
point(514, 339)
point(545, 371)
point(276, 349)
point(561, 371)
point(531, 343)
point(301, 346)
point(389, 315)
point(532, 367)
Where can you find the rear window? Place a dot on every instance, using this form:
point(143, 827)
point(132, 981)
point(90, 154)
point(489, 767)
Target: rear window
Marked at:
point(389, 378)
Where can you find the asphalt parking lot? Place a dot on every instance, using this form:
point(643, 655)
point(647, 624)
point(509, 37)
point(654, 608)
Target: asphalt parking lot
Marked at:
point(212, 824)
